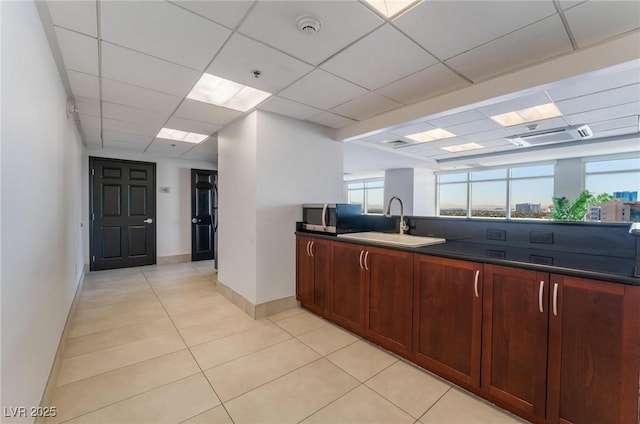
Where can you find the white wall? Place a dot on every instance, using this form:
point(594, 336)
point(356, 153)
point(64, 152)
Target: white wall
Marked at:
point(173, 210)
point(268, 165)
point(399, 182)
point(424, 192)
point(41, 207)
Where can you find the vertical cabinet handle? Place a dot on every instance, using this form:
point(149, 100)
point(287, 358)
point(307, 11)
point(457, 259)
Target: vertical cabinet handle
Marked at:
point(311, 248)
point(475, 283)
point(366, 259)
point(308, 245)
point(361, 253)
point(555, 299)
point(540, 292)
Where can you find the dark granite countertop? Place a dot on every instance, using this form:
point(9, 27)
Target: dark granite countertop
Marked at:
point(592, 264)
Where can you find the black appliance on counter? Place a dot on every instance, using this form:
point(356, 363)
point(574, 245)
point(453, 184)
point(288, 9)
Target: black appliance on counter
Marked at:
point(333, 218)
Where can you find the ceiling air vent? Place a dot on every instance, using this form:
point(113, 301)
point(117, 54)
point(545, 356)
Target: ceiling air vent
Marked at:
point(397, 143)
point(557, 135)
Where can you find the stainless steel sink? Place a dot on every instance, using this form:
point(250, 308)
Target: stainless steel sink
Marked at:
point(389, 239)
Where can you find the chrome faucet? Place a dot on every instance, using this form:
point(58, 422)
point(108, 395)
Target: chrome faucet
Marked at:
point(403, 225)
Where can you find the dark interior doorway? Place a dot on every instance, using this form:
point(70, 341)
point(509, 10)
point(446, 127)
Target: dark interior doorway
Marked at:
point(204, 211)
point(122, 213)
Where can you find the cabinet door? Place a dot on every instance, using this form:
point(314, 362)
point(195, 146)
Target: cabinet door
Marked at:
point(348, 286)
point(304, 271)
point(594, 352)
point(448, 317)
point(389, 293)
point(514, 339)
point(321, 254)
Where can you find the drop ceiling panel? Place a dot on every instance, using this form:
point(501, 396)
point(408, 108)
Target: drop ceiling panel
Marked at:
point(378, 138)
point(200, 111)
point(605, 114)
point(78, 16)
point(138, 97)
point(93, 141)
point(91, 132)
point(629, 121)
point(448, 28)
point(595, 21)
point(603, 99)
point(130, 114)
point(516, 103)
point(567, 4)
point(89, 121)
point(620, 131)
point(84, 85)
point(457, 118)
point(387, 51)
point(145, 71)
point(115, 136)
point(485, 136)
point(124, 145)
point(413, 129)
point(190, 125)
point(424, 84)
point(162, 30)
point(172, 148)
point(526, 46)
point(288, 107)
point(79, 52)
point(241, 55)
point(274, 22)
point(205, 151)
point(331, 120)
point(588, 85)
point(366, 106)
point(227, 13)
point(474, 127)
point(130, 127)
point(322, 90)
point(87, 106)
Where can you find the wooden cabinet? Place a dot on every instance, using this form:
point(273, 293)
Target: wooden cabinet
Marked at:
point(348, 286)
point(448, 317)
point(389, 294)
point(594, 352)
point(514, 339)
point(313, 273)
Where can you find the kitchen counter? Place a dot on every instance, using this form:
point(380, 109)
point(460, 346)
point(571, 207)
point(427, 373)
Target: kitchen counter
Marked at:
point(591, 265)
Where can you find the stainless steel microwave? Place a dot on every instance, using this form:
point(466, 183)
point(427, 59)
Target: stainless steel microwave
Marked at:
point(330, 217)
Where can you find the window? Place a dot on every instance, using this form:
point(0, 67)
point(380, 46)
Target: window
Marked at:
point(519, 192)
point(614, 177)
point(368, 193)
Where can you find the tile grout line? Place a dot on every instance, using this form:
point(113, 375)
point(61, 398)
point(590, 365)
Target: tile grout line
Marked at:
point(435, 403)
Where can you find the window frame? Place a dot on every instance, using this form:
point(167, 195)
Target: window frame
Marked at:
point(365, 190)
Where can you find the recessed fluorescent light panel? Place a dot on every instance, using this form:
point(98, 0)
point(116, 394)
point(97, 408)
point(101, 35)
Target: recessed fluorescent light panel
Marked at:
point(223, 92)
point(391, 8)
point(463, 147)
point(187, 137)
point(531, 114)
point(431, 135)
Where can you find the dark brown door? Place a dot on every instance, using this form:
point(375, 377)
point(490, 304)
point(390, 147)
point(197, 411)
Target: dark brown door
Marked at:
point(514, 339)
point(594, 351)
point(304, 271)
point(203, 210)
point(389, 295)
point(448, 317)
point(348, 285)
point(313, 273)
point(123, 213)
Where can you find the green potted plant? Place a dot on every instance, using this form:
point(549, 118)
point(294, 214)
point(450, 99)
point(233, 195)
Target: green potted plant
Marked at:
point(566, 210)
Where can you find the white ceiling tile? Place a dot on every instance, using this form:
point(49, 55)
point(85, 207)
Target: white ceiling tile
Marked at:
point(115, 136)
point(424, 84)
point(367, 106)
point(138, 97)
point(124, 145)
point(241, 55)
point(78, 16)
point(162, 30)
point(322, 90)
point(611, 124)
point(92, 141)
point(567, 4)
point(605, 114)
point(200, 111)
point(330, 120)
point(487, 136)
point(621, 131)
point(412, 129)
point(84, 85)
point(205, 151)
point(343, 22)
point(602, 99)
point(288, 107)
point(596, 21)
point(474, 127)
point(91, 132)
point(145, 71)
point(164, 147)
point(456, 118)
point(130, 114)
point(387, 51)
point(227, 13)
point(79, 52)
point(89, 121)
point(130, 127)
point(515, 103)
point(88, 106)
point(190, 125)
point(448, 28)
point(526, 46)
point(546, 124)
point(592, 83)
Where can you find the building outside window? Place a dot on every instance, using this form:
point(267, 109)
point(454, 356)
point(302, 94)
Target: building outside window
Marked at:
point(614, 177)
point(368, 193)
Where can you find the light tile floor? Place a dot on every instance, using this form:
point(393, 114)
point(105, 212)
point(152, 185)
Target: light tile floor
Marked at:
point(159, 344)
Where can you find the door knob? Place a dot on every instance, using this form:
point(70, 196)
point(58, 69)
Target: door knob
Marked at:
point(195, 220)
point(148, 220)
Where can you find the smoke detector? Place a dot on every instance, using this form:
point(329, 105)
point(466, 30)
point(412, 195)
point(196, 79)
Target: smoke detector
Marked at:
point(308, 24)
